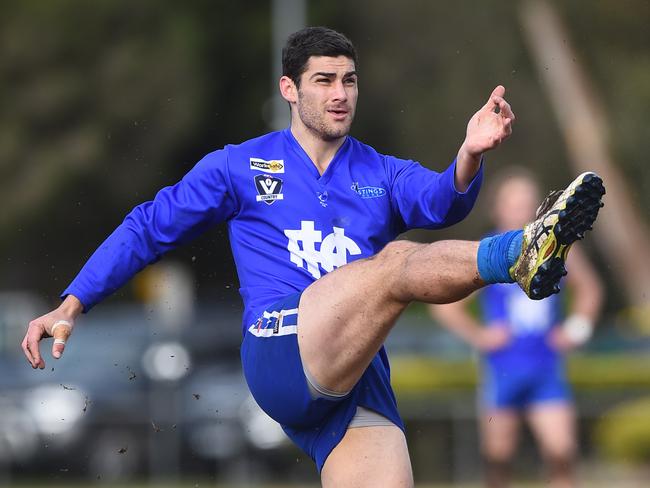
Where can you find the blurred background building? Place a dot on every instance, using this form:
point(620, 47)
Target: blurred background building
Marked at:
point(104, 102)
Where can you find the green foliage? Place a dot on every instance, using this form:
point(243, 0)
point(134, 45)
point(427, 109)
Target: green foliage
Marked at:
point(604, 372)
point(89, 89)
point(623, 433)
point(101, 101)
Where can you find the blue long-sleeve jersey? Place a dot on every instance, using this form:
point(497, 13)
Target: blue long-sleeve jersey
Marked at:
point(288, 224)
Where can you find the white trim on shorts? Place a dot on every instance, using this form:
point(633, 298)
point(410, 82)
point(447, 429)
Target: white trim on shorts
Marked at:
point(363, 417)
point(281, 330)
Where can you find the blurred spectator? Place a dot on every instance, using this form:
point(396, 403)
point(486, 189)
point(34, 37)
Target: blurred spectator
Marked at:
point(522, 345)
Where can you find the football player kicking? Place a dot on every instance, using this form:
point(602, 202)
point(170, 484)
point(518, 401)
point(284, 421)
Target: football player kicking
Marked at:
point(312, 215)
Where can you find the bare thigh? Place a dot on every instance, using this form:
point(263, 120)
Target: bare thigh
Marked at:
point(345, 316)
point(369, 457)
point(553, 425)
point(500, 434)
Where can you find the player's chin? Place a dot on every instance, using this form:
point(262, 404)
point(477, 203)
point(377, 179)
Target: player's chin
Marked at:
point(332, 135)
point(338, 130)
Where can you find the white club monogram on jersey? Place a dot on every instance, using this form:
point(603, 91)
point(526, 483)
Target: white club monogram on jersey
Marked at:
point(333, 252)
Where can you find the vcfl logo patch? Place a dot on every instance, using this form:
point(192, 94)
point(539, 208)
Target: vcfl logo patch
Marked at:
point(269, 189)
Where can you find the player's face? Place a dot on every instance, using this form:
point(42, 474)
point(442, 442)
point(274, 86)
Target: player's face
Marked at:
point(516, 202)
point(327, 97)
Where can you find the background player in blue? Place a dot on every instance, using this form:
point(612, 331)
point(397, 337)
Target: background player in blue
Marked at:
point(522, 344)
point(301, 205)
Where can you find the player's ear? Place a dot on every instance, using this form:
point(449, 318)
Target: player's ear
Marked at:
point(288, 89)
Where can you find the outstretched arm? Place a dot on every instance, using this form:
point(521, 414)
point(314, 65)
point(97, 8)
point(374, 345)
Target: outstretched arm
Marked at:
point(177, 214)
point(487, 128)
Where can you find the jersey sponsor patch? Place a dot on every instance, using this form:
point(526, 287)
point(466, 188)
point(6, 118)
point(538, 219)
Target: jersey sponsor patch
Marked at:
point(269, 189)
point(332, 253)
point(368, 191)
point(272, 166)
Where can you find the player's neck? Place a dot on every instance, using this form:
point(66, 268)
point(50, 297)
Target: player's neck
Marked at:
point(321, 152)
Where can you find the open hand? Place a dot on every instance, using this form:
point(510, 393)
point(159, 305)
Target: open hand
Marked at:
point(57, 324)
point(490, 125)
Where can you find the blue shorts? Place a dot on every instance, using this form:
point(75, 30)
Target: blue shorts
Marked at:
point(274, 373)
point(519, 389)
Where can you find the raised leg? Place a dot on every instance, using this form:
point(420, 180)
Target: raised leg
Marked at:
point(345, 316)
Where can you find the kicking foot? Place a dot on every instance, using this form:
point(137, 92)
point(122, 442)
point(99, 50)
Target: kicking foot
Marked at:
point(562, 219)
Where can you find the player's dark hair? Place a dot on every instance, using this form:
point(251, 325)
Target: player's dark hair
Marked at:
point(313, 41)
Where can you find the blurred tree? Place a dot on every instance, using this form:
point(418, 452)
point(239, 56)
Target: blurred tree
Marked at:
point(89, 88)
point(102, 103)
point(623, 238)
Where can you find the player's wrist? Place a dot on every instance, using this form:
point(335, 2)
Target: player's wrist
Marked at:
point(578, 328)
point(468, 165)
point(469, 156)
point(71, 307)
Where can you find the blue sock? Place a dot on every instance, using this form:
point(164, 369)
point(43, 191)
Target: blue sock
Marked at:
point(497, 254)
